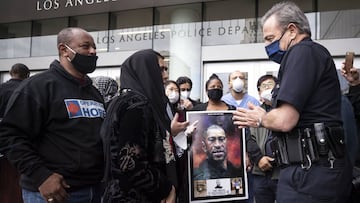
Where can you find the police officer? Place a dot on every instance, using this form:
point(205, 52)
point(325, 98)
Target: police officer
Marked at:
point(306, 114)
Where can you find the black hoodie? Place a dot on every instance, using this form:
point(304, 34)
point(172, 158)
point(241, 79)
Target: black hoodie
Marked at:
point(52, 124)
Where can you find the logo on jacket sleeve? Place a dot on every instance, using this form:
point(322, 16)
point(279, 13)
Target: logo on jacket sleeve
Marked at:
point(77, 108)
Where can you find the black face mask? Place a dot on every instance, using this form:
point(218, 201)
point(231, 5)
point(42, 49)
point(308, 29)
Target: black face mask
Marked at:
point(215, 94)
point(83, 63)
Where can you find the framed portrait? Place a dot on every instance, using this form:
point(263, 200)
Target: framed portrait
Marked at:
point(216, 159)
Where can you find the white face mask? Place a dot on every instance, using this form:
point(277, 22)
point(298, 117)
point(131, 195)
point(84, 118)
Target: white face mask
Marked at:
point(173, 97)
point(184, 94)
point(267, 95)
point(238, 85)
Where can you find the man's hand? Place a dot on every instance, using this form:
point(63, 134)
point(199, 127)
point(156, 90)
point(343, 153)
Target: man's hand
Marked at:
point(191, 128)
point(352, 77)
point(265, 163)
point(171, 198)
point(53, 189)
point(248, 117)
point(177, 126)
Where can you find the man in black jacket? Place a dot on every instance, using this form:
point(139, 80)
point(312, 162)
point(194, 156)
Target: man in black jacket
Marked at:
point(18, 73)
point(9, 177)
point(51, 129)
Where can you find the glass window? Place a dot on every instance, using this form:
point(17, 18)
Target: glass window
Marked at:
point(339, 24)
point(185, 13)
point(15, 40)
point(177, 35)
point(305, 5)
point(131, 19)
point(97, 25)
point(15, 30)
point(131, 30)
point(334, 5)
point(96, 22)
point(229, 9)
point(229, 22)
point(44, 45)
point(49, 27)
point(44, 34)
point(15, 47)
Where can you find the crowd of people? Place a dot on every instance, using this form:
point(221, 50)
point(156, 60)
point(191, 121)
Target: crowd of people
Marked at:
point(78, 139)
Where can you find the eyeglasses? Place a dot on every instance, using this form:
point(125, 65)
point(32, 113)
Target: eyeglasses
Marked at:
point(164, 68)
point(269, 85)
point(185, 89)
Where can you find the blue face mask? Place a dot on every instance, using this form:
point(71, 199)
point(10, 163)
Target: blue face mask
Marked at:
point(274, 52)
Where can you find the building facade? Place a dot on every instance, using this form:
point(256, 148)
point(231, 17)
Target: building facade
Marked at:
point(197, 37)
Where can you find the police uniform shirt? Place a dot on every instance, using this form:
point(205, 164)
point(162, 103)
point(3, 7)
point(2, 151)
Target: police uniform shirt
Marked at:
point(309, 82)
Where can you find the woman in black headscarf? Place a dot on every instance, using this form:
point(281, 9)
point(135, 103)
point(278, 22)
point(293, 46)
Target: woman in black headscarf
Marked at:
point(142, 157)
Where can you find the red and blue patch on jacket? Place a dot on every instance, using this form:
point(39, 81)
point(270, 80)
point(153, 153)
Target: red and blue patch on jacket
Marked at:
point(78, 108)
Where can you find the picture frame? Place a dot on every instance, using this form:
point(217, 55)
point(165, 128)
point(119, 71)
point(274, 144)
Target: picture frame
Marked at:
point(216, 158)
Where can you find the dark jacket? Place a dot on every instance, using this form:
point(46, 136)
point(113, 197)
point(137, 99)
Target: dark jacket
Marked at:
point(256, 141)
point(6, 89)
point(144, 167)
point(53, 125)
point(354, 97)
point(137, 160)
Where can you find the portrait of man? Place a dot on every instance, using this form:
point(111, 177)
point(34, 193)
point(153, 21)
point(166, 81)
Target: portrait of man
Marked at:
point(216, 158)
point(216, 164)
